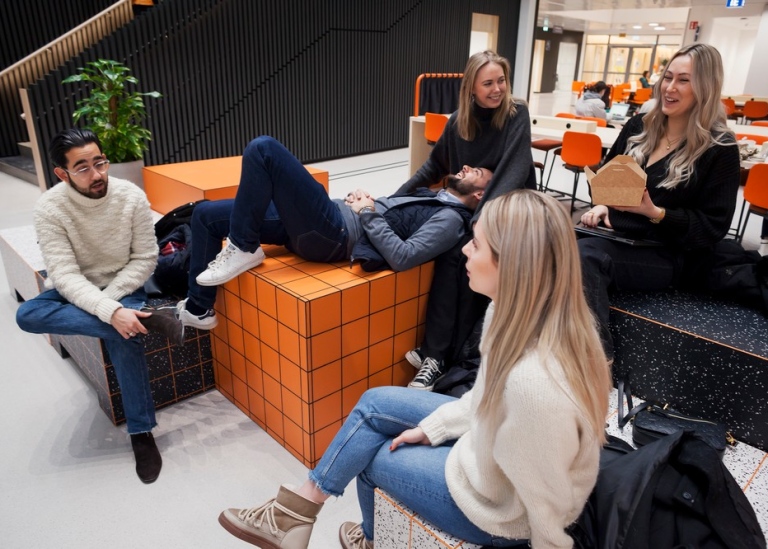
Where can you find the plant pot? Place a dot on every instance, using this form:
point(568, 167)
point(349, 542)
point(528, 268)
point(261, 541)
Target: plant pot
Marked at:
point(130, 171)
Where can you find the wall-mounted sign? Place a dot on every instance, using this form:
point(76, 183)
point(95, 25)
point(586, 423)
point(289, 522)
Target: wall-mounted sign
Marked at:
point(557, 30)
point(693, 25)
point(734, 3)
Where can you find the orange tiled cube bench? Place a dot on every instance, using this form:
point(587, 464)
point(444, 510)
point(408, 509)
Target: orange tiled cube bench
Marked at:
point(170, 185)
point(398, 527)
point(175, 373)
point(299, 342)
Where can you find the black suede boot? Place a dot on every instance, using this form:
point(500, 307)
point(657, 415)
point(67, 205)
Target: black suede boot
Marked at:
point(148, 460)
point(165, 322)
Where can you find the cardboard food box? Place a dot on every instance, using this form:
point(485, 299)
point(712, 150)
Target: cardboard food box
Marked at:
point(619, 183)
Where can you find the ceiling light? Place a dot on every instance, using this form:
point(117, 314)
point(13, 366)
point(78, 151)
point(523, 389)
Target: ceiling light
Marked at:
point(652, 24)
point(660, 28)
point(637, 26)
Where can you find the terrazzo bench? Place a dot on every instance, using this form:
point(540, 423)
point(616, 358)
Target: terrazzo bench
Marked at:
point(175, 373)
point(397, 527)
point(707, 357)
point(298, 342)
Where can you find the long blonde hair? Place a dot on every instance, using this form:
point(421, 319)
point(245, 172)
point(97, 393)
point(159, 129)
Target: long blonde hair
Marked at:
point(466, 124)
point(540, 304)
point(706, 121)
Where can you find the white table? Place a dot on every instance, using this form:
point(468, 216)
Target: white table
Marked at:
point(748, 128)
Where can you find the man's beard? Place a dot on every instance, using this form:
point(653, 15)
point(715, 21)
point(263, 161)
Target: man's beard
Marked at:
point(460, 186)
point(101, 193)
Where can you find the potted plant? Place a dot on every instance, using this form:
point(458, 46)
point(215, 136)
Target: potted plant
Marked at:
point(114, 114)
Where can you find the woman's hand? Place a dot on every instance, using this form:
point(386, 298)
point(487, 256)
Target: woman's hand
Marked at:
point(646, 207)
point(595, 215)
point(411, 436)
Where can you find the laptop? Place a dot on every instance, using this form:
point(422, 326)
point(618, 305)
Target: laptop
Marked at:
point(618, 236)
point(618, 111)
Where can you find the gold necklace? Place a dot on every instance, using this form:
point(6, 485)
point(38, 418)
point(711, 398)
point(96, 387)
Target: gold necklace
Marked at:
point(670, 143)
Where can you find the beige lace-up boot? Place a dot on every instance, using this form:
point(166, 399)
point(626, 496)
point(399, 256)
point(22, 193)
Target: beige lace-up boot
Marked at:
point(282, 523)
point(351, 537)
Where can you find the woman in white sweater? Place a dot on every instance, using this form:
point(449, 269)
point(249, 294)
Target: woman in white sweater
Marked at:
point(517, 456)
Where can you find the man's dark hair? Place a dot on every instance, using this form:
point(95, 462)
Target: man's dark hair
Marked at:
point(66, 140)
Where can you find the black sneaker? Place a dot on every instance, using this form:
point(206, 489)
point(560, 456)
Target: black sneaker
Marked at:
point(415, 358)
point(427, 376)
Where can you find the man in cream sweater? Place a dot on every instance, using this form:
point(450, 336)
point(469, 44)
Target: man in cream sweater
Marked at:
point(98, 242)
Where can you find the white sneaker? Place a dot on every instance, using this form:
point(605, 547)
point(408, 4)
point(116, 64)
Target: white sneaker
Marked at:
point(230, 263)
point(763, 249)
point(207, 321)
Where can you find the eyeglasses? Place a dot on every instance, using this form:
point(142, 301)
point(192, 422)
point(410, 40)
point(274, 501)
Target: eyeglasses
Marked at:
point(101, 167)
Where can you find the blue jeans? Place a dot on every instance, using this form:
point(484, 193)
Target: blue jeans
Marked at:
point(50, 313)
point(413, 474)
point(277, 202)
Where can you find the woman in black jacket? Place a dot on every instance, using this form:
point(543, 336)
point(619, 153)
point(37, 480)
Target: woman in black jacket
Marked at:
point(692, 165)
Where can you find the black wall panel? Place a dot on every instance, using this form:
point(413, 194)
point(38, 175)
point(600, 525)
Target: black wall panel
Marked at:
point(329, 78)
point(29, 25)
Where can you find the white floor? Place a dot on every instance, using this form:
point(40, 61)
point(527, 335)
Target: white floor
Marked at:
point(66, 474)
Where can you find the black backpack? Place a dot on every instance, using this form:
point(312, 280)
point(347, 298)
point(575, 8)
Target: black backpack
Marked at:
point(672, 493)
point(172, 271)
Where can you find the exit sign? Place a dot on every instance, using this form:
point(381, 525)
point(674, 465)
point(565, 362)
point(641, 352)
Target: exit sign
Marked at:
point(734, 3)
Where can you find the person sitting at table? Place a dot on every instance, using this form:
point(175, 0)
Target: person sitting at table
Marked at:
point(516, 457)
point(692, 165)
point(492, 129)
point(592, 101)
point(644, 80)
point(279, 202)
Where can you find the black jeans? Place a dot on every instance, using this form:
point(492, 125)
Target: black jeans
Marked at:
point(453, 308)
point(608, 265)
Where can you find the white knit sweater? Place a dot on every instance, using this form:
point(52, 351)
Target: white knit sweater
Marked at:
point(96, 251)
point(530, 477)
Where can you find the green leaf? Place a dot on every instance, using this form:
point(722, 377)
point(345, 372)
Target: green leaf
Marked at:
point(111, 111)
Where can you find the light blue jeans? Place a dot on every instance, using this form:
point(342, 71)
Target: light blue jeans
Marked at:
point(50, 313)
point(413, 474)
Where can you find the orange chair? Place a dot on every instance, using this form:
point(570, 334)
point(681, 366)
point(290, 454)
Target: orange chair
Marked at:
point(641, 96)
point(618, 91)
point(434, 126)
point(755, 110)
point(755, 194)
point(600, 121)
point(577, 87)
point(565, 115)
point(579, 150)
point(763, 123)
point(759, 139)
point(546, 145)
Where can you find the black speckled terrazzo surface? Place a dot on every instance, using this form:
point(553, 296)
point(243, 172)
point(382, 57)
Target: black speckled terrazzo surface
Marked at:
point(720, 321)
point(705, 357)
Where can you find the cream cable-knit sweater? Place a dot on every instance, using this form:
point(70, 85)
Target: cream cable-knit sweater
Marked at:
point(96, 251)
point(530, 477)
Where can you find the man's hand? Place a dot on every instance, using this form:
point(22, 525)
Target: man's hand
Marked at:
point(126, 322)
point(358, 200)
point(410, 436)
